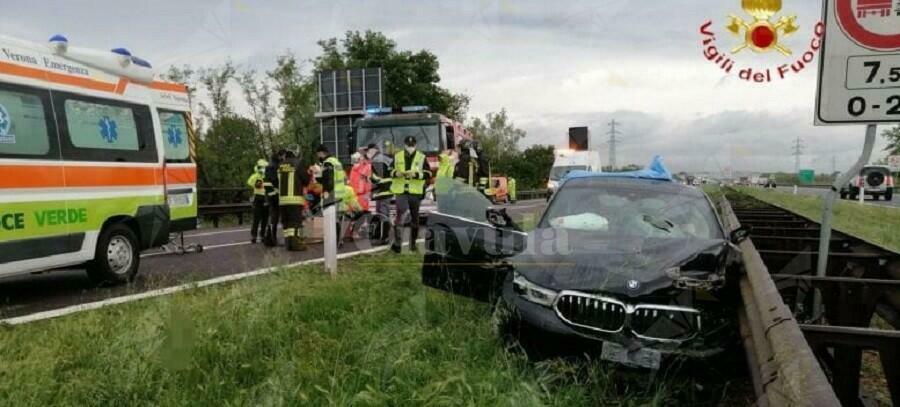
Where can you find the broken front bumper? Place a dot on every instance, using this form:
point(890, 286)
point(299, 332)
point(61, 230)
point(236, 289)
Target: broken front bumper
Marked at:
point(708, 339)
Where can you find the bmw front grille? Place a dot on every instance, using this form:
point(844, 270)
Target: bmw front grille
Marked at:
point(664, 323)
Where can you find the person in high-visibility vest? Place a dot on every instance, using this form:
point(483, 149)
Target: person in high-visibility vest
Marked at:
point(409, 177)
point(292, 181)
point(359, 179)
point(444, 173)
point(334, 182)
point(257, 183)
point(511, 189)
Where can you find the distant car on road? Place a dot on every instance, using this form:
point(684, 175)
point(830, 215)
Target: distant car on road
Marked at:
point(874, 180)
point(637, 266)
point(767, 182)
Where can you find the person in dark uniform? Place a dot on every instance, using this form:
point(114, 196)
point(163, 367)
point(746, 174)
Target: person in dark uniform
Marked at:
point(292, 181)
point(411, 173)
point(467, 168)
point(270, 235)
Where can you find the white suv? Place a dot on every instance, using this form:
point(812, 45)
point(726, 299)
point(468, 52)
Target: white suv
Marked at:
point(875, 180)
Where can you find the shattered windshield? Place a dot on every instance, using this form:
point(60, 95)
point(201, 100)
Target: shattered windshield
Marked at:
point(427, 136)
point(558, 173)
point(457, 198)
point(631, 209)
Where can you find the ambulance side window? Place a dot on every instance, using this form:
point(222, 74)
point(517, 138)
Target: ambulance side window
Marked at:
point(93, 129)
point(27, 128)
point(175, 132)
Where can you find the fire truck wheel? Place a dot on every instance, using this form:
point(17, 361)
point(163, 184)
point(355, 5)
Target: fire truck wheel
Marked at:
point(117, 258)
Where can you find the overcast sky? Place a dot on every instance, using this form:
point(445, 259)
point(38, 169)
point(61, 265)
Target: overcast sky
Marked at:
point(551, 64)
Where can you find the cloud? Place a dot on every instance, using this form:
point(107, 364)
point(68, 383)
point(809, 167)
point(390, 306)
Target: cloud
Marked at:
point(551, 64)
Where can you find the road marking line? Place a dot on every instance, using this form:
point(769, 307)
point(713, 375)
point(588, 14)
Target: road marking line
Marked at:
point(38, 316)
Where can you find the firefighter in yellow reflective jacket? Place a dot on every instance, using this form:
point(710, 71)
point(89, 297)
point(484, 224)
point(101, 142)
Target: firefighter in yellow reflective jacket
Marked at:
point(334, 182)
point(257, 183)
point(410, 175)
point(511, 189)
point(444, 173)
point(292, 181)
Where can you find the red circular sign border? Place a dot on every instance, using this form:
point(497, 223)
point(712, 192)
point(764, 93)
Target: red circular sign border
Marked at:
point(859, 34)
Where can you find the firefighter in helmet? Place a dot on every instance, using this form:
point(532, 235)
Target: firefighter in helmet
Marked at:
point(292, 181)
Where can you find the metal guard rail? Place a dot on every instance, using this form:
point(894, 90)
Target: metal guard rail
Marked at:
point(785, 371)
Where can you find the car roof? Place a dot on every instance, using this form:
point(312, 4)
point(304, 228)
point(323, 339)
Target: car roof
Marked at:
point(656, 170)
point(643, 183)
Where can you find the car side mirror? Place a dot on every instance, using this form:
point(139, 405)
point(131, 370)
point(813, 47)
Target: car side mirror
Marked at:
point(498, 218)
point(740, 234)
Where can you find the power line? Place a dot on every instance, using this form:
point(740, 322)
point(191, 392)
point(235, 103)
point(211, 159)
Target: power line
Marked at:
point(612, 143)
point(798, 151)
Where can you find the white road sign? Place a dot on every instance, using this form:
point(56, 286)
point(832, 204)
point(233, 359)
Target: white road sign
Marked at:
point(859, 72)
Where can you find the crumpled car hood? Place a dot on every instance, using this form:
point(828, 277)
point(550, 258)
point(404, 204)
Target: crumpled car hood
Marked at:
point(629, 267)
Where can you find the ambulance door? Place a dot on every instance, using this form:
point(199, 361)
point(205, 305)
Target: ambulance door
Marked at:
point(30, 187)
point(113, 166)
point(181, 172)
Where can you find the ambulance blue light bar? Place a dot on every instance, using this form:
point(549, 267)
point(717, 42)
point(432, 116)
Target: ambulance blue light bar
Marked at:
point(121, 51)
point(140, 62)
point(377, 111)
point(414, 109)
point(58, 38)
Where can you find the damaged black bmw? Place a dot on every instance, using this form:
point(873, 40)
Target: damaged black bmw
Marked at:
point(633, 260)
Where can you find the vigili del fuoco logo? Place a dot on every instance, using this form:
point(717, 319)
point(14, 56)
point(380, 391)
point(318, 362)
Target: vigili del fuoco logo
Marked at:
point(763, 30)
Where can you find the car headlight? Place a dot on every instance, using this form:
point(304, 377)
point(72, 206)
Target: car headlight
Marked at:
point(533, 292)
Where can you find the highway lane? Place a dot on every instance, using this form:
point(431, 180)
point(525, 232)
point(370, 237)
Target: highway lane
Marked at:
point(227, 251)
point(895, 203)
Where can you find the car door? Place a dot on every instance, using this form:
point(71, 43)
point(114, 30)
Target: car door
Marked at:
point(466, 242)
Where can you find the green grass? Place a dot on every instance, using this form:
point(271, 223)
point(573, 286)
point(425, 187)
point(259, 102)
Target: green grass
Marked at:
point(374, 336)
point(876, 224)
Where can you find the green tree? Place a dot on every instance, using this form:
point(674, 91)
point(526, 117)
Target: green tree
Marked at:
point(893, 139)
point(227, 152)
point(215, 82)
point(410, 78)
point(499, 139)
point(297, 101)
point(531, 168)
point(258, 95)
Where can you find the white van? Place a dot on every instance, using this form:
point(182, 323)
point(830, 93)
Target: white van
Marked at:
point(567, 161)
point(95, 159)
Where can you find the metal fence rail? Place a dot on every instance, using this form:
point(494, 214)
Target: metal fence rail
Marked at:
point(784, 368)
point(862, 280)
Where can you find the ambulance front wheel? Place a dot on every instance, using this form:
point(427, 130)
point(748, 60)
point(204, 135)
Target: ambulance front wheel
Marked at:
point(117, 258)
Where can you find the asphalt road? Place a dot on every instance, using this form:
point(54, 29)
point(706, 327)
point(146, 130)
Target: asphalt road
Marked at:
point(227, 251)
point(895, 203)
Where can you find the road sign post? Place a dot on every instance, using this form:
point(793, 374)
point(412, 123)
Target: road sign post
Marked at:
point(330, 238)
point(859, 83)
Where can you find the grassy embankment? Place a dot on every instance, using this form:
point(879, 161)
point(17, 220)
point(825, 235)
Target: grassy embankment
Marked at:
point(876, 224)
point(374, 336)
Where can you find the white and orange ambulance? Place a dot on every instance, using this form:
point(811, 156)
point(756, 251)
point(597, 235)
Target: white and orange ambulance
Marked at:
point(96, 159)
